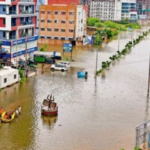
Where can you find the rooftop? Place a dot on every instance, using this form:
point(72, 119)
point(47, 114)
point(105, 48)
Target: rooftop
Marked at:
point(7, 70)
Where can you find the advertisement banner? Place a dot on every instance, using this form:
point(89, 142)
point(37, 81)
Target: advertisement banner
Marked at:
point(67, 47)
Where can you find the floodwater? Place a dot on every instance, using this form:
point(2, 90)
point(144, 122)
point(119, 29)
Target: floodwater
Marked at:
point(93, 115)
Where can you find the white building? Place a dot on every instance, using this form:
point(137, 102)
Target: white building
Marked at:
point(8, 76)
point(113, 9)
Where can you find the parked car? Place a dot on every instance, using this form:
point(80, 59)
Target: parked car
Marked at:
point(67, 64)
point(59, 67)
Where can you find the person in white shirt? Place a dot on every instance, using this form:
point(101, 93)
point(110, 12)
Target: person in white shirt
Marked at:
point(17, 112)
point(19, 109)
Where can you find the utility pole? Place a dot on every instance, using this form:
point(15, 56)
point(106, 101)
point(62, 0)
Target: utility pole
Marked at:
point(148, 78)
point(26, 56)
point(119, 40)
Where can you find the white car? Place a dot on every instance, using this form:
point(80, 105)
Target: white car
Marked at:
point(67, 64)
point(59, 67)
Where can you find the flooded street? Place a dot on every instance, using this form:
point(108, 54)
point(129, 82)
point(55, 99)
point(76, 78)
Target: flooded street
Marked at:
point(92, 115)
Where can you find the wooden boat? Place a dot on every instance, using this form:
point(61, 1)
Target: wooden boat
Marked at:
point(7, 120)
point(2, 116)
point(49, 107)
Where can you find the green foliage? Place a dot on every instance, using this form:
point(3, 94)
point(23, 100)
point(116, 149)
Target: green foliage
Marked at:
point(124, 21)
point(99, 24)
point(21, 75)
point(92, 21)
point(133, 26)
point(98, 38)
point(44, 48)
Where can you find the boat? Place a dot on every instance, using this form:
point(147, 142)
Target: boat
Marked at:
point(2, 116)
point(49, 107)
point(7, 120)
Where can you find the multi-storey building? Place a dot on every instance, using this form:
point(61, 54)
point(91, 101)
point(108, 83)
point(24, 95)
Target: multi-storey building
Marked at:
point(18, 28)
point(104, 9)
point(142, 7)
point(113, 9)
point(60, 23)
point(129, 10)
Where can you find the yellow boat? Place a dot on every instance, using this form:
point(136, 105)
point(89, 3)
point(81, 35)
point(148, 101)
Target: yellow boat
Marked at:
point(7, 120)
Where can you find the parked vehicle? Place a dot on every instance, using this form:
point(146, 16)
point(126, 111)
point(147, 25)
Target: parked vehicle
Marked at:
point(67, 64)
point(59, 67)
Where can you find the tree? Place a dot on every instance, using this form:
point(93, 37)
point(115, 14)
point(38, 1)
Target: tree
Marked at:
point(92, 21)
point(99, 24)
point(98, 38)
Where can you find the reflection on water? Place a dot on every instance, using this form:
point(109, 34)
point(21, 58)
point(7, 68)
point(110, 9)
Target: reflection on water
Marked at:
point(49, 121)
point(91, 116)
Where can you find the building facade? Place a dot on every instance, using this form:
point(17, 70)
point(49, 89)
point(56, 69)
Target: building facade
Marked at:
point(129, 10)
point(18, 28)
point(59, 23)
point(113, 9)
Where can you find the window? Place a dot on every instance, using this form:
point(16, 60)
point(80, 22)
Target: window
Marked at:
point(56, 12)
point(4, 8)
point(4, 21)
point(49, 29)
point(71, 22)
point(63, 30)
point(49, 12)
point(42, 12)
point(42, 29)
point(15, 76)
point(56, 30)
point(63, 21)
point(71, 13)
point(4, 34)
point(71, 30)
point(42, 20)
point(63, 13)
point(5, 80)
point(56, 21)
point(49, 21)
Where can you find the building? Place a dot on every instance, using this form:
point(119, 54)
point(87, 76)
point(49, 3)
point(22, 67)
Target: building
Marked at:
point(113, 9)
point(129, 10)
point(143, 9)
point(18, 28)
point(8, 76)
point(60, 23)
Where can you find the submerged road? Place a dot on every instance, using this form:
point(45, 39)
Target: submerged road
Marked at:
point(92, 116)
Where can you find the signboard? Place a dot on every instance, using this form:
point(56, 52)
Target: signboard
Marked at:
point(30, 50)
point(142, 16)
point(129, 28)
point(67, 47)
point(20, 41)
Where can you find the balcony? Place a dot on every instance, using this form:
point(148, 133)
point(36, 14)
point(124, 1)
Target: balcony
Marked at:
point(26, 23)
point(12, 37)
point(12, 12)
point(26, 0)
point(26, 12)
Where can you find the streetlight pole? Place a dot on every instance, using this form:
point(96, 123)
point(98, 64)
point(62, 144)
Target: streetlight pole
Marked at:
point(119, 40)
point(148, 78)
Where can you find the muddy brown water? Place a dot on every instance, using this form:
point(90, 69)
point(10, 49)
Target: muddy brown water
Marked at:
point(92, 115)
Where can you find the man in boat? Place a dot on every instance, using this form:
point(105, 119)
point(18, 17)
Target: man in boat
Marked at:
point(17, 112)
point(1, 111)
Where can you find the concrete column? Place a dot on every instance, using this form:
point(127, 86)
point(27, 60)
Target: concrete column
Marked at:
point(7, 35)
point(7, 10)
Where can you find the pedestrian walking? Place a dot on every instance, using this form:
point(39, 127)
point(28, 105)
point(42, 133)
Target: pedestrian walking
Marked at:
point(19, 109)
point(17, 112)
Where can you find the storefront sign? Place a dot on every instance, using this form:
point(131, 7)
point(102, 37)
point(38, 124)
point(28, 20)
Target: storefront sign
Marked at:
point(20, 41)
point(30, 50)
